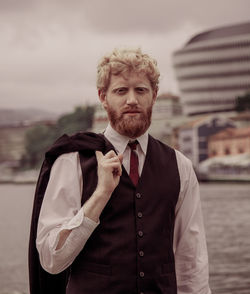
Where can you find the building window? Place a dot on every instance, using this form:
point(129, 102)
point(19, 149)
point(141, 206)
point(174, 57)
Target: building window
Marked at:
point(240, 150)
point(187, 151)
point(214, 152)
point(187, 139)
point(227, 151)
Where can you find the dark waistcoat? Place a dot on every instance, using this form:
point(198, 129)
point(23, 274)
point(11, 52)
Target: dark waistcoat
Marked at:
point(131, 251)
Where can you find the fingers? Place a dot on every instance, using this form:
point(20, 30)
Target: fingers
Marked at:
point(120, 156)
point(110, 155)
point(99, 155)
point(111, 161)
point(117, 168)
point(113, 165)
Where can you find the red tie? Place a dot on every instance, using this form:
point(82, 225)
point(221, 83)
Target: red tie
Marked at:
point(134, 163)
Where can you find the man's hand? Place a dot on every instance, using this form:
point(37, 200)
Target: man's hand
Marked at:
point(109, 170)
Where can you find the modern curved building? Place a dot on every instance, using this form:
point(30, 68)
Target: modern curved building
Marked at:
point(213, 68)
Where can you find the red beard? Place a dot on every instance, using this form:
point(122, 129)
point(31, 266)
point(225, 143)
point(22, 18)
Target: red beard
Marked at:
point(132, 127)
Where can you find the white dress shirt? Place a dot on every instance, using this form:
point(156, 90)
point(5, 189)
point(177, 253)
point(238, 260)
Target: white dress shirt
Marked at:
point(61, 209)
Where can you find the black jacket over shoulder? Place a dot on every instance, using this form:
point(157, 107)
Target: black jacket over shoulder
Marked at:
point(41, 282)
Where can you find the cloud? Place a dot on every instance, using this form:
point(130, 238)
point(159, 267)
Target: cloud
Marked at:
point(161, 15)
point(50, 49)
point(131, 16)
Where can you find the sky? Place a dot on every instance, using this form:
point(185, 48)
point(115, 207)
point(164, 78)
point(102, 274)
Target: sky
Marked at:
point(50, 48)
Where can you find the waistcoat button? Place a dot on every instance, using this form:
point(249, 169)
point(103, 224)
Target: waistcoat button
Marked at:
point(141, 253)
point(142, 274)
point(138, 195)
point(139, 214)
point(140, 233)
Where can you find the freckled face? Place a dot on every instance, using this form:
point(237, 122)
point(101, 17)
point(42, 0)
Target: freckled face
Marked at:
point(128, 101)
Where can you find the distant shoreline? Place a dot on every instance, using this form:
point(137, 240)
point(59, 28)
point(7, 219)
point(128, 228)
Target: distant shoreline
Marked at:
point(24, 177)
point(30, 177)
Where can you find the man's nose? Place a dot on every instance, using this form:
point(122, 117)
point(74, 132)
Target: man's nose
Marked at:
point(131, 98)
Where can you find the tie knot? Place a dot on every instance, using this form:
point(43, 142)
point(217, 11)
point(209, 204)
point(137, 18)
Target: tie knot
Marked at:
point(133, 145)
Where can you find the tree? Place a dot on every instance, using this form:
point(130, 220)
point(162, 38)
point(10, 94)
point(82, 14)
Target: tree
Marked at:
point(80, 120)
point(39, 138)
point(243, 102)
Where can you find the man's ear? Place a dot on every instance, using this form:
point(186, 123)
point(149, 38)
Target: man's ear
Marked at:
point(102, 97)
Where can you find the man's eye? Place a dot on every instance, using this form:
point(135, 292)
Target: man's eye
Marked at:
point(120, 90)
point(140, 90)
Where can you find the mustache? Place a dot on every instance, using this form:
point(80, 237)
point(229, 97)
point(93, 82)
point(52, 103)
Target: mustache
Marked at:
point(131, 109)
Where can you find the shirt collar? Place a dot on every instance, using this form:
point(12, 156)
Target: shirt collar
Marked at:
point(120, 142)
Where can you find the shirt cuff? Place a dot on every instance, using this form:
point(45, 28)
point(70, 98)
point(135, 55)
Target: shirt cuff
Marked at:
point(80, 220)
point(80, 223)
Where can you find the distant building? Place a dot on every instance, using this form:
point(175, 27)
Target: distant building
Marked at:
point(213, 68)
point(167, 105)
point(100, 120)
point(226, 168)
point(242, 119)
point(231, 141)
point(166, 111)
point(193, 136)
point(12, 140)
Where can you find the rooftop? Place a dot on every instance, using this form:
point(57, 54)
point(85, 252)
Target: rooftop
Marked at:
point(232, 133)
point(195, 122)
point(228, 160)
point(168, 96)
point(222, 32)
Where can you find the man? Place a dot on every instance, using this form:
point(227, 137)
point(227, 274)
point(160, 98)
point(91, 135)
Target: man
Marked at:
point(126, 219)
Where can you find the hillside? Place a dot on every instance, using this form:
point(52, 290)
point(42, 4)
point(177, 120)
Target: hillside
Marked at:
point(17, 116)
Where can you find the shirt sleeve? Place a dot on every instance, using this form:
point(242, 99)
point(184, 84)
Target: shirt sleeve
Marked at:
point(191, 258)
point(61, 209)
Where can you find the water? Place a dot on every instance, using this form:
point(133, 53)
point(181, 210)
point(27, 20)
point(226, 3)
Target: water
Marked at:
point(16, 203)
point(226, 209)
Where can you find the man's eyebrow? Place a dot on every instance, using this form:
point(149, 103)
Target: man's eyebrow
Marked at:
point(119, 87)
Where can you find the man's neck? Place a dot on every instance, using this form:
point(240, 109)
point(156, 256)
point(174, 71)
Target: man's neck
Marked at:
point(120, 142)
